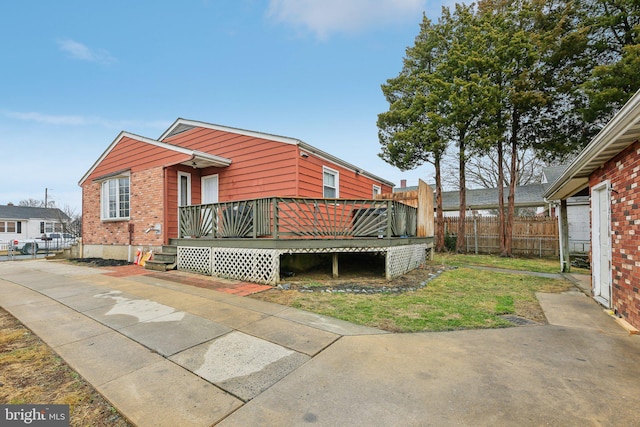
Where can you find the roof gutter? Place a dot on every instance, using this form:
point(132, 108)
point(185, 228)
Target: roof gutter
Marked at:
point(338, 161)
point(618, 125)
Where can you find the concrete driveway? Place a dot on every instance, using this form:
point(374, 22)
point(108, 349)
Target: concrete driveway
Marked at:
point(168, 354)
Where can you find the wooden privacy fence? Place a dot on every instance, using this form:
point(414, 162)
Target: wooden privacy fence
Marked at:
point(533, 236)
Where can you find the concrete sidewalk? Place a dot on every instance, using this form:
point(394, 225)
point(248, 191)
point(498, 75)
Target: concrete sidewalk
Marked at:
point(170, 354)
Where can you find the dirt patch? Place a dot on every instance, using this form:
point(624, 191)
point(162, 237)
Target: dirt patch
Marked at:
point(31, 373)
point(359, 281)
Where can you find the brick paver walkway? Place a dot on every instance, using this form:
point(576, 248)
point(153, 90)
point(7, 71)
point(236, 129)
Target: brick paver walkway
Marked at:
point(234, 287)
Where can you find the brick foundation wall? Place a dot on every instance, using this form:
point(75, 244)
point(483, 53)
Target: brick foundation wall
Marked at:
point(623, 171)
point(146, 209)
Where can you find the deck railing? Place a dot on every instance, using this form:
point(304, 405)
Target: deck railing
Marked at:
point(287, 218)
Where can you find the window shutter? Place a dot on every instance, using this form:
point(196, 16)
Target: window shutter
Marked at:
point(19, 227)
point(41, 227)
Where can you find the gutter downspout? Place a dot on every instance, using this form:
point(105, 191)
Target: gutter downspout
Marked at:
point(560, 245)
point(551, 206)
point(130, 253)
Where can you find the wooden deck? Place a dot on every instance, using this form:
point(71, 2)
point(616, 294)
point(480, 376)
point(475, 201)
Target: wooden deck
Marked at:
point(245, 239)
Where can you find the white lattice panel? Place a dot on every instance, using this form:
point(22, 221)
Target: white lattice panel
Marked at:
point(402, 259)
point(251, 265)
point(194, 259)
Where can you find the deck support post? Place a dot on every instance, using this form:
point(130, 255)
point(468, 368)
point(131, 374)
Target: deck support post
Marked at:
point(334, 265)
point(565, 261)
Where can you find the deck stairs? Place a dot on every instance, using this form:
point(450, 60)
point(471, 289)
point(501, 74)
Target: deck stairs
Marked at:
point(164, 260)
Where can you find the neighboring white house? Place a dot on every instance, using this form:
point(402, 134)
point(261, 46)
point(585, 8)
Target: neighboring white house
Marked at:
point(578, 208)
point(24, 222)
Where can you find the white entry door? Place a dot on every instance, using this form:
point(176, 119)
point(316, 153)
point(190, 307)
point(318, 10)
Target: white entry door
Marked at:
point(601, 243)
point(184, 189)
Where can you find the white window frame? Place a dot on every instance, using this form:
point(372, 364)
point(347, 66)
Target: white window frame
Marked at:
point(202, 188)
point(180, 175)
point(104, 199)
point(377, 190)
point(336, 174)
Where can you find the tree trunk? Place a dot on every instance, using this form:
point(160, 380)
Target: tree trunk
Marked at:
point(501, 219)
point(460, 240)
point(511, 210)
point(439, 214)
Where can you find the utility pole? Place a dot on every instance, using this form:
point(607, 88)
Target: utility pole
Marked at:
point(46, 191)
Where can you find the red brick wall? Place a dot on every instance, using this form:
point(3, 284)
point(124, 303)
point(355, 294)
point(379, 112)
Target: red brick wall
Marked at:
point(623, 171)
point(146, 208)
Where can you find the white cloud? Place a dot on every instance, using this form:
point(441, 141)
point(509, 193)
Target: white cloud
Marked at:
point(80, 51)
point(46, 118)
point(71, 120)
point(325, 17)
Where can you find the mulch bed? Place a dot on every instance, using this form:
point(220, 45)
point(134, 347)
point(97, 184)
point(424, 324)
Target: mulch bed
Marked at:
point(101, 262)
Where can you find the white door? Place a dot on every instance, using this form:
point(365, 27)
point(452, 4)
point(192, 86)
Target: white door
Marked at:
point(184, 189)
point(601, 243)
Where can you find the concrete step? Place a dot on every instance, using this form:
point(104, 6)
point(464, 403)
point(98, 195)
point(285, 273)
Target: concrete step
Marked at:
point(159, 265)
point(164, 257)
point(169, 249)
point(164, 260)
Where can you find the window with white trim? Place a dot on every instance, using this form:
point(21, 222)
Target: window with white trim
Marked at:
point(330, 183)
point(377, 190)
point(115, 198)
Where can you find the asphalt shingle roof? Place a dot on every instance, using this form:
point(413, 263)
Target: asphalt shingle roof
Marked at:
point(28, 212)
point(487, 198)
point(552, 173)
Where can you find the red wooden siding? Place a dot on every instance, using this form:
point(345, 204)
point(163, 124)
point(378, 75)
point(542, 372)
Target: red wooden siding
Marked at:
point(131, 154)
point(263, 168)
point(259, 167)
point(351, 184)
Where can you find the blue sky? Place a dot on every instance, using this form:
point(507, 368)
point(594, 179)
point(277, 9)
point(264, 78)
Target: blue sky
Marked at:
point(76, 73)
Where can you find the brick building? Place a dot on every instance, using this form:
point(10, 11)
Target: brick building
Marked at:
point(609, 167)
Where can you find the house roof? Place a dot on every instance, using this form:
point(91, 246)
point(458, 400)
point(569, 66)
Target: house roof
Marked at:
point(527, 196)
point(196, 159)
point(183, 125)
point(28, 212)
point(621, 131)
point(551, 173)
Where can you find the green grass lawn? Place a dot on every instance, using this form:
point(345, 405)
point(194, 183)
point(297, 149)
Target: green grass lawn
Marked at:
point(539, 265)
point(461, 298)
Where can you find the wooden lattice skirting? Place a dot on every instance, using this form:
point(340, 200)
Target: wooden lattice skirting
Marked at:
point(263, 265)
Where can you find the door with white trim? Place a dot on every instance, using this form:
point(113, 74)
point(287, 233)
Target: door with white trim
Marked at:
point(184, 189)
point(601, 243)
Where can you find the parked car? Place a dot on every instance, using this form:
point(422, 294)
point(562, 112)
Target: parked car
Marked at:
point(47, 242)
